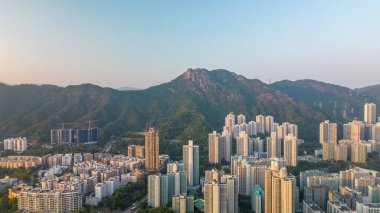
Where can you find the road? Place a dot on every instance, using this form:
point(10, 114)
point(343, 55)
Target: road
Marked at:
point(108, 146)
point(135, 207)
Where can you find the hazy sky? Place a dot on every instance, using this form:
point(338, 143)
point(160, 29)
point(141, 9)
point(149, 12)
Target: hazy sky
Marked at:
point(143, 43)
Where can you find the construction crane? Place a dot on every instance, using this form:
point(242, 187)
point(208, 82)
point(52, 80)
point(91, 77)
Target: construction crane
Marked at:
point(63, 124)
point(90, 122)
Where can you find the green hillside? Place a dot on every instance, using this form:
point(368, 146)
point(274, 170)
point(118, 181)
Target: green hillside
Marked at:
point(187, 107)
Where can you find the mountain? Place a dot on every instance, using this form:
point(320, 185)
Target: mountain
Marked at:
point(371, 93)
point(127, 88)
point(188, 107)
point(334, 101)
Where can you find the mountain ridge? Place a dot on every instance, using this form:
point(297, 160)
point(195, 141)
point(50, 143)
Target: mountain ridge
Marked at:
point(188, 107)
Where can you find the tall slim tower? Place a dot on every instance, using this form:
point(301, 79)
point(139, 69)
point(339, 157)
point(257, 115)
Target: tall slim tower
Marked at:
point(191, 163)
point(327, 132)
point(268, 190)
point(151, 150)
point(370, 113)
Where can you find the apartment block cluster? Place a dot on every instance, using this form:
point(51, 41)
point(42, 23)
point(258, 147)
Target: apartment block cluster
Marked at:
point(359, 138)
point(93, 177)
point(171, 188)
point(258, 165)
point(353, 190)
point(281, 139)
point(16, 144)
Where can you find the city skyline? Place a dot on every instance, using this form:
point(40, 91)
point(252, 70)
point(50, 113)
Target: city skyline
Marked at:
point(116, 45)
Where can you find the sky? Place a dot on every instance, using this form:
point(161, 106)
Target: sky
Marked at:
point(142, 43)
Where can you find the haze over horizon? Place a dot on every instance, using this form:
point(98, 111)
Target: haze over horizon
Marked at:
point(145, 43)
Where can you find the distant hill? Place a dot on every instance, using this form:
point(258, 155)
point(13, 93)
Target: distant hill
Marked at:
point(371, 93)
point(335, 102)
point(127, 88)
point(187, 107)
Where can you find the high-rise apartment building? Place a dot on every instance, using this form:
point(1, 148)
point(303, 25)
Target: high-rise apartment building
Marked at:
point(174, 167)
point(375, 132)
point(219, 147)
point(280, 191)
point(229, 121)
point(340, 152)
point(358, 152)
point(370, 113)
point(269, 120)
point(274, 146)
point(151, 150)
point(244, 145)
point(191, 163)
point(353, 131)
point(157, 190)
point(328, 149)
point(222, 196)
point(74, 136)
point(183, 204)
point(257, 199)
point(286, 129)
point(317, 194)
point(260, 122)
point(290, 150)
point(327, 132)
point(177, 184)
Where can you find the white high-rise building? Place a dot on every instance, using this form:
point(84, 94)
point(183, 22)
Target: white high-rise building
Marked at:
point(327, 132)
point(290, 150)
point(274, 146)
point(191, 163)
point(251, 128)
point(219, 147)
point(244, 145)
point(269, 120)
point(260, 121)
point(157, 190)
point(227, 145)
point(257, 200)
point(222, 197)
point(229, 121)
point(370, 113)
point(258, 145)
point(375, 132)
point(353, 131)
point(183, 204)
